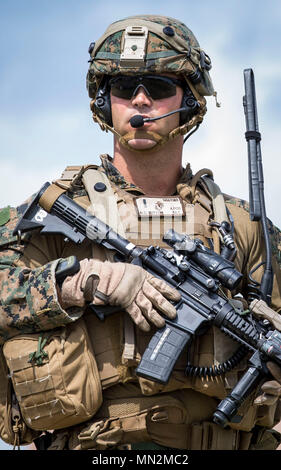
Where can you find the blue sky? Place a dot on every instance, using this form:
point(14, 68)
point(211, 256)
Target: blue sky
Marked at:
point(45, 121)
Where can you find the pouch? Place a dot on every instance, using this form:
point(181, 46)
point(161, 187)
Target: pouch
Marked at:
point(58, 385)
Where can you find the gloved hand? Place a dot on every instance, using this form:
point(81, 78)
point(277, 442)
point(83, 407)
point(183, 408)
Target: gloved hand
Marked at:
point(123, 284)
point(271, 390)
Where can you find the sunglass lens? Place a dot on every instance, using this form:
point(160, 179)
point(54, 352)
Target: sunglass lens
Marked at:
point(123, 87)
point(157, 87)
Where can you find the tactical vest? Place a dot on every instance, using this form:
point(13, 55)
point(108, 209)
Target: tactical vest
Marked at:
point(213, 347)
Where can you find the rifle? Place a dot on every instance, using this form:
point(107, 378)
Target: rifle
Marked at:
point(196, 271)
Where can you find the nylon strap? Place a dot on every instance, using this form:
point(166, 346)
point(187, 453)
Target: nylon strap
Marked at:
point(103, 203)
point(111, 432)
point(50, 196)
point(220, 214)
point(129, 340)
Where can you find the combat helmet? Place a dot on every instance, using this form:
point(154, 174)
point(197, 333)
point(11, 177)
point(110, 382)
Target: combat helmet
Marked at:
point(148, 44)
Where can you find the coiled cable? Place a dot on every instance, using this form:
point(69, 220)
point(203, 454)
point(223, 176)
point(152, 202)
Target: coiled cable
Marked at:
point(216, 370)
point(253, 285)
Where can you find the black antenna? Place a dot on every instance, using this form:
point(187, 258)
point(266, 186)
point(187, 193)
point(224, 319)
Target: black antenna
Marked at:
point(256, 181)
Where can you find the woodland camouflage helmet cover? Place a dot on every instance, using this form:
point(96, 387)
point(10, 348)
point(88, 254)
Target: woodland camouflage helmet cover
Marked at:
point(150, 44)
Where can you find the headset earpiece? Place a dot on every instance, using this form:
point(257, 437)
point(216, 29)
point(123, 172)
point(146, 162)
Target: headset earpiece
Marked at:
point(191, 104)
point(102, 104)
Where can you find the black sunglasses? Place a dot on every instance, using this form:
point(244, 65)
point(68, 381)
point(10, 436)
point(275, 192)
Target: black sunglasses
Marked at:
point(155, 86)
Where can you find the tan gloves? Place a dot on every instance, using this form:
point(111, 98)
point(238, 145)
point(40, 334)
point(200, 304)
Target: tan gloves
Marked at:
point(123, 284)
point(271, 390)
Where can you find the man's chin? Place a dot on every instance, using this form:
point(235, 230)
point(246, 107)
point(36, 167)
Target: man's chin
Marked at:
point(141, 144)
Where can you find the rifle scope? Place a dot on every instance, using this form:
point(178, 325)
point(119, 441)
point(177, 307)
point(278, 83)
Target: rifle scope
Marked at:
point(212, 263)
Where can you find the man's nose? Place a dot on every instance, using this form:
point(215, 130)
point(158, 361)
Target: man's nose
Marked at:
point(141, 97)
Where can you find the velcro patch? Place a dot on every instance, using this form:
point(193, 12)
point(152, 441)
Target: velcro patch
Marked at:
point(159, 206)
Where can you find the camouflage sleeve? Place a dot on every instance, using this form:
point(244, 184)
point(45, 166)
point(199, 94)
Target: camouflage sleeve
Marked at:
point(29, 301)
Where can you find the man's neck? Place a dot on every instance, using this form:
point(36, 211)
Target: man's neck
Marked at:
point(156, 173)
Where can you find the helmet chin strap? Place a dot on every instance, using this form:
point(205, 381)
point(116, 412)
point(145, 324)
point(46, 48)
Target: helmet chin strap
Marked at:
point(139, 134)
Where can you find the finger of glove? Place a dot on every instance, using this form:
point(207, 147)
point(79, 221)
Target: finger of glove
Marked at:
point(157, 299)
point(91, 287)
point(272, 387)
point(265, 399)
point(275, 370)
point(137, 317)
point(165, 289)
point(148, 311)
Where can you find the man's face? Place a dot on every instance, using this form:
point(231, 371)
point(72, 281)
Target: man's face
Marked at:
point(141, 103)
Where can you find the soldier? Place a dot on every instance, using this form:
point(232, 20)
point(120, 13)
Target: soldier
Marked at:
point(69, 371)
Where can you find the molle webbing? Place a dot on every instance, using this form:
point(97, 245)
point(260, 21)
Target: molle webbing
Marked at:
point(120, 214)
point(145, 231)
point(71, 178)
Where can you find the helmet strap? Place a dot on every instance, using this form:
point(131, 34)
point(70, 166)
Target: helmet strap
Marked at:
point(139, 134)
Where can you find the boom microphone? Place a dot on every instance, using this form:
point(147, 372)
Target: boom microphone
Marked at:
point(138, 120)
